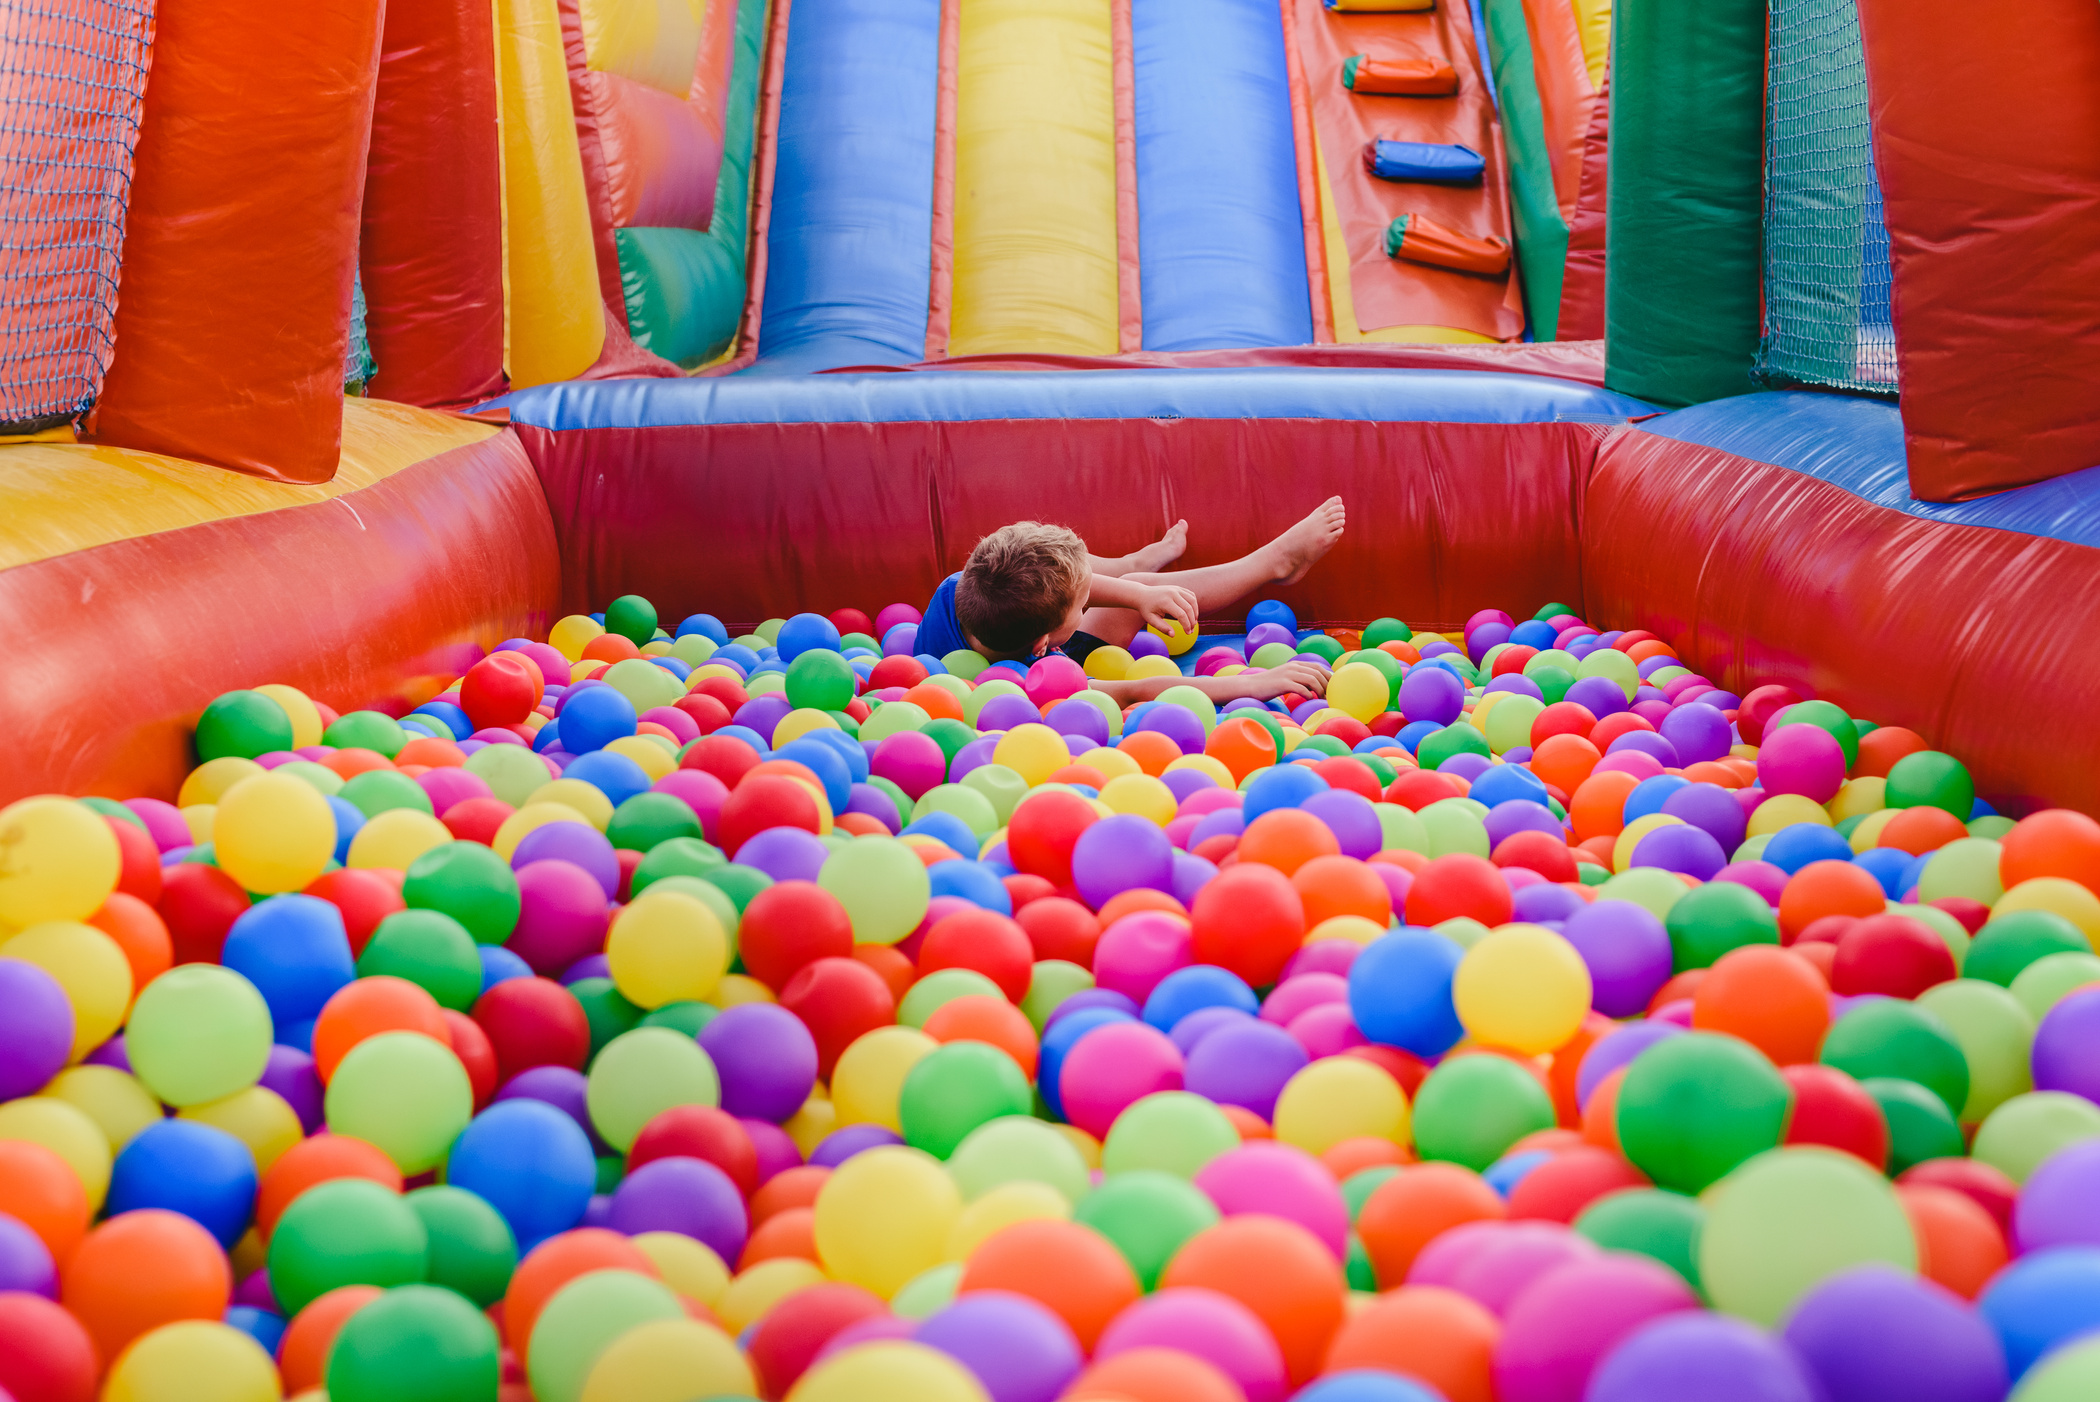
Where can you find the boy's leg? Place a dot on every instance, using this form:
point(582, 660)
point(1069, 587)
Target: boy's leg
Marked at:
point(1156, 556)
point(1283, 560)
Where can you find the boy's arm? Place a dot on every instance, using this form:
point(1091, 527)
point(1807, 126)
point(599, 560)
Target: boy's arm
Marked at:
point(1154, 603)
point(1260, 685)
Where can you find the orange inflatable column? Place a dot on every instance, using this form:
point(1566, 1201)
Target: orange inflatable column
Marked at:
point(240, 245)
point(432, 257)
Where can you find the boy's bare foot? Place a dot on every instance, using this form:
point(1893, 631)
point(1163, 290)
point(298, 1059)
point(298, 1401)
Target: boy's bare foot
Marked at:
point(1162, 552)
point(1299, 548)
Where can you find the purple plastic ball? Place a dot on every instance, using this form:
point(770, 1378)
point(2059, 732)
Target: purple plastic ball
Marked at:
point(1005, 711)
point(685, 1195)
point(842, 1144)
point(1183, 782)
point(1019, 1350)
point(765, 1057)
point(1466, 765)
point(1600, 696)
point(1148, 644)
point(1092, 998)
point(1712, 809)
point(785, 854)
point(1262, 634)
point(559, 1086)
point(1699, 731)
point(25, 1262)
point(1875, 1334)
point(1618, 1048)
point(763, 714)
point(290, 1072)
point(1177, 723)
point(1122, 853)
point(1646, 742)
point(974, 755)
point(2067, 1046)
point(1517, 815)
point(1352, 820)
point(578, 844)
point(1191, 874)
point(1681, 848)
point(1245, 1064)
point(36, 1036)
point(1627, 951)
point(1083, 719)
point(1518, 683)
point(867, 799)
point(1711, 1357)
point(1431, 694)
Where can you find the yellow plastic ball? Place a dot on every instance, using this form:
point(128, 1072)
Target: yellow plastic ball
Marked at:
point(688, 1265)
point(588, 800)
point(66, 1132)
point(194, 1360)
point(665, 947)
point(1857, 798)
point(809, 1126)
point(1108, 664)
point(1783, 811)
point(754, 1292)
point(571, 635)
point(273, 833)
point(741, 988)
point(89, 966)
point(1358, 689)
point(396, 838)
point(1140, 794)
point(1177, 638)
point(214, 777)
point(1145, 668)
point(1357, 929)
point(1522, 987)
point(1034, 752)
point(796, 724)
point(1112, 763)
point(884, 1216)
point(528, 817)
point(670, 1360)
point(1868, 833)
point(299, 707)
point(1001, 1207)
point(648, 752)
point(1089, 1147)
point(258, 1117)
point(869, 1078)
point(113, 1099)
point(1338, 1098)
point(2055, 894)
point(198, 819)
point(58, 861)
point(1630, 837)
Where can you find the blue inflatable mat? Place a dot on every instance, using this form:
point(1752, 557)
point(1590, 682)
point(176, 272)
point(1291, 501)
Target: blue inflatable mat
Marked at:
point(1426, 161)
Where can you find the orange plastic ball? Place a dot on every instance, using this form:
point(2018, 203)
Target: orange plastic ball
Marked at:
point(143, 1269)
point(1599, 805)
point(1134, 900)
point(38, 1190)
point(1600, 1118)
point(140, 933)
point(1152, 751)
point(1250, 920)
point(1071, 1270)
point(1338, 885)
point(1880, 748)
point(1286, 839)
point(318, 1160)
point(786, 1190)
point(1764, 995)
point(979, 1017)
point(1281, 1272)
point(1958, 1244)
point(554, 1263)
point(1153, 1375)
point(2054, 842)
point(1827, 888)
point(791, 1233)
point(1922, 829)
point(367, 1007)
point(1242, 746)
point(936, 701)
point(1427, 1333)
point(302, 1355)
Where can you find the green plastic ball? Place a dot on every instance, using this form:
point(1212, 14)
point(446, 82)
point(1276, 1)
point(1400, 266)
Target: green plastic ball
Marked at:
point(1321, 646)
point(198, 1033)
point(1358, 1187)
point(1826, 717)
point(950, 734)
point(642, 1073)
point(1920, 1125)
point(820, 680)
point(741, 884)
point(1693, 1107)
point(1662, 1226)
point(1147, 1215)
point(367, 730)
point(345, 1231)
point(1169, 1131)
point(1017, 1149)
point(1889, 1037)
point(646, 819)
point(1386, 630)
point(1553, 682)
point(472, 1249)
point(2028, 1128)
point(1790, 1219)
point(431, 950)
point(1708, 921)
point(405, 1094)
point(1457, 738)
point(2043, 984)
point(1470, 1109)
point(1049, 984)
point(243, 723)
point(1931, 779)
point(378, 791)
point(606, 1009)
point(954, 1089)
point(1996, 1035)
point(582, 1319)
point(2004, 947)
point(632, 617)
point(470, 883)
point(416, 1343)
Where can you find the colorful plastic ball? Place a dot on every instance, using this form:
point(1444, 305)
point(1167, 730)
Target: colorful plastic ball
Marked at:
point(45, 1353)
point(953, 1090)
point(473, 1251)
point(1877, 1335)
point(198, 1033)
point(1771, 999)
point(2069, 1374)
point(1789, 1220)
point(1147, 1215)
point(1111, 1067)
point(1889, 1037)
point(1175, 1132)
point(273, 832)
point(91, 969)
point(1248, 920)
point(1120, 853)
point(883, 1217)
point(581, 1319)
point(1207, 1325)
point(883, 887)
point(2042, 1300)
point(1706, 1356)
point(1337, 1099)
point(429, 949)
point(1245, 1063)
point(63, 861)
point(1282, 1181)
point(1559, 1331)
point(1715, 918)
point(1626, 950)
point(685, 1195)
point(838, 999)
point(641, 1073)
point(1694, 1107)
point(765, 1057)
point(1400, 992)
point(890, 1370)
point(1801, 759)
point(405, 1092)
point(1662, 1226)
point(37, 1040)
point(1014, 1346)
point(145, 1269)
point(172, 1361)
point(531, 1163)
point(1929, 778)
point(203, 1173)
point(1470, 1109)
point(1280, 1272)
point(2066, 1051)
point(417, 1343)
point(1522, 987)
point(666, 946)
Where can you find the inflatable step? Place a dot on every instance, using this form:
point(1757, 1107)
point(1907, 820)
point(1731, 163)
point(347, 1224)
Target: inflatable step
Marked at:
point(1380, 7)
point(1436, 163)
point(1399, 77)
point(1419, 239)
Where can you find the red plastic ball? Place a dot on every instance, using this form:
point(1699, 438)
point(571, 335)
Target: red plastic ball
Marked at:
point(199, 904)
point(764, 801)
point(723, 756)
point(1021, 888)
point(1043, 832)
point(1345, 772)
point(1759, 707)
point(1989, 1188)
point(983, 940)
point(906, 672)
point(706, 712)
point(364, 897)
point(1558, 1189)
point(476, 819)
point(1059, 927)
point(534, 1022)
point(1562, 718)
point(1455, 884)
point(45, 1354)
point(789, 925)
point(838, 1000)
point(792, 1333)
point(699, 1132)
point(1832, 1109)
point(1891, 954)
point(140, 875)
point(1248, 920)
point(1418, 788)
point(471, 1045)
point(500, 689)
point(1541, 852)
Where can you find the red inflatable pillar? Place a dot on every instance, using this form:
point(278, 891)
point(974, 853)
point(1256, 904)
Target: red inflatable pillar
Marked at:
point(432, 256)
point(1987, 141)
point(240, 244)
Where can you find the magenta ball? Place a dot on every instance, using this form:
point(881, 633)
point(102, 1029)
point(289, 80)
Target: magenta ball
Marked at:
point(1245, 1064)
point(698, 790)
point(1205, 1324)
point(1712, 809)
point(685, 1195)
point(1112, 1067)
point(1450, 1252)
point(1801, 759)
point(1281, 1180)
point(1507, 1263)
point(1563, 1325)
point(1327, 1030)
point(911, 761)
point(36, 1035)
point(1299, 992)
point(562, 916)
point(1124, 852)
point(449, 784)
point(1053, 679)
point(777, 1152)
point(1136, 952)
point(765, 1057)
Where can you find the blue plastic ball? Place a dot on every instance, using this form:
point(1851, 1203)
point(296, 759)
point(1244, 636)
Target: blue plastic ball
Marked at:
point(182, 1166)
point(1272, 611)
point(614, 775)
point(295, 951)
point(1400, 991)
point(806, 632)
point(971, 881)
point(530, 1162)
point(1285, 786)
point(707, 626)
point(1194, 988)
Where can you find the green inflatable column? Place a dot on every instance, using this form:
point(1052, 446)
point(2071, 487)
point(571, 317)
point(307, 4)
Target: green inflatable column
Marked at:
point(1685, 213)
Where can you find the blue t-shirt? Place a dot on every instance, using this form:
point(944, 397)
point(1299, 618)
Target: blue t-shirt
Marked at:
point(940, 632)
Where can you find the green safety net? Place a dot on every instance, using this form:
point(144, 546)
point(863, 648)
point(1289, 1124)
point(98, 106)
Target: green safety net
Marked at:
point(1826, 245)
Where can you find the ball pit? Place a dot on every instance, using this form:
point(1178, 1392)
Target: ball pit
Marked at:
point(669, 1028)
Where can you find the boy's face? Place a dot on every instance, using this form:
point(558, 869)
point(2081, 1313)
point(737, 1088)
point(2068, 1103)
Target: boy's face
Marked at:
point(1064, 630)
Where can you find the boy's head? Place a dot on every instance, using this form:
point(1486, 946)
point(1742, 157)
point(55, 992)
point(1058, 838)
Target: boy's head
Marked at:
point(1023, 589)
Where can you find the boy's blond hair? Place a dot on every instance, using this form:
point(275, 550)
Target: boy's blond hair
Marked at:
point(1020, 583)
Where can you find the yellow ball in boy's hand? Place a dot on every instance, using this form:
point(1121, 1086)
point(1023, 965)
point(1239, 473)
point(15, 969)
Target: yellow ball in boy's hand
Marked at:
point(1177, 639)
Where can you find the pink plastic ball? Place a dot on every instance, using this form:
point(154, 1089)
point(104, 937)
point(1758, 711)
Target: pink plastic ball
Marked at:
point(1205, 1324)
point(1565, 1322)
point(674, 720)
point(1300, 993)
point(562, 916)
point(1327, 1030)
point(1522, 1252)
point(1280, 1180)
point(911, 761)
point(1111, 1068)
point(164, 822)
point(1801, 759)
point(893, 615)
point(698, 790)
point(1332, 956)
point(450, 784)
point(1053, 679)
point(1139, 950)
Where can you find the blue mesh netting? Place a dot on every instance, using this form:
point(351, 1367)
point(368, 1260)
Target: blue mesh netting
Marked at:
point(72, 75)
point(357, 355)
point(1826, 245)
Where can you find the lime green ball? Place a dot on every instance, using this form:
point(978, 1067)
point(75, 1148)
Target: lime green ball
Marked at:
point(416, 1343)
point(1323, 744)
point(1271, 655)
point(674, 856)
point(1147, 1215)
point(954, 1089)
point(367, 730)
point(820, 680)
point(1321, 646)
point(1171, 1131)
point(632, 617)
point(1789, 1220)
point(966, 803)
point(927, 1293)
point(940, 988)
point(964, 663)
point(243, 723)
point(2043, 984)
point(1710, 920)
point(1358, 1187)
point(849, 641)
point(1931, 779)
point(1017, 1149)
point(471, 884)
point(472, 1249)
point(2027, 1129)
point(1996, 1036)
point(378, 790)
point(2067, 1374)
point(1889, 1037)
point(1649, 1222)
point(1049, 984)
point(345, 1231)
point(405, 1093)
point(1386, 630)
point(1693, 1107)
point(1457, 738)
point(431, 950)
point(1827, 717)
point(642, 1073)
point(582, 1319)
point(646, 819)
point(1470, 1109)
point(606, 1010)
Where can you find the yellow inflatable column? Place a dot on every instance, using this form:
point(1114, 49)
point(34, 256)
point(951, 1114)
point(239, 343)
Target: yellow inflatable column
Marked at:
point(553, 320)
point(1035, 179)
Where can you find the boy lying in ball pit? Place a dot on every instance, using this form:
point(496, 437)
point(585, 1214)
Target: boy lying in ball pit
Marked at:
point(1030, 589)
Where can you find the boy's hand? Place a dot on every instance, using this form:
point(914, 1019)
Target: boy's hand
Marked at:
point(1305, 677)
point(1159, 604)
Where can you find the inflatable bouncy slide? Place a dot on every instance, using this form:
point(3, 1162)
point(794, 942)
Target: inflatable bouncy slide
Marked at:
point(497, 901)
